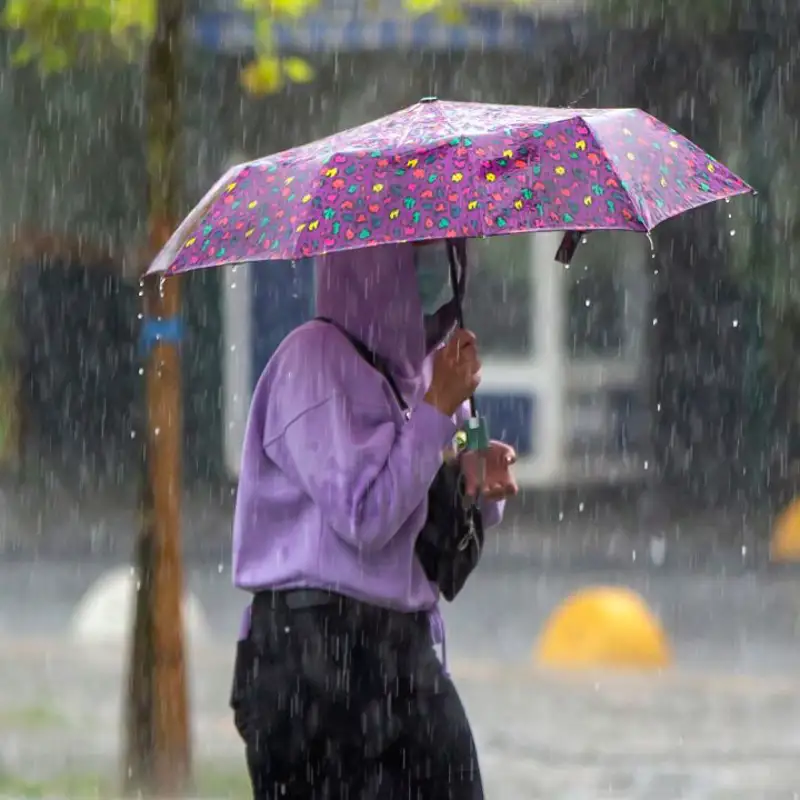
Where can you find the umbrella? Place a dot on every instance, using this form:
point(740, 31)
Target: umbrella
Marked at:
point(450, 170)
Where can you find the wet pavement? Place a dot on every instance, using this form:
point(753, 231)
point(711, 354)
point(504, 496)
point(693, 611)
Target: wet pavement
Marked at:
point(724, 724)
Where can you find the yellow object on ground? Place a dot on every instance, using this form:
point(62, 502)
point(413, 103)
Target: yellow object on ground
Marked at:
point(785, 544)
point(603, 627)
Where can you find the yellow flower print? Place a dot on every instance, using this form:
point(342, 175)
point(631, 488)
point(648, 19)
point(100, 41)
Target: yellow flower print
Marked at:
point(580, 145)
point(518, 204)
point(394, 213)
point(252, 204)
point(663, 181)
point(288, 180)
point(231, 186)
point(249, 233)
point(673, 144)
point(508, 153)
point(190, 242)
point(306, 198)
point(711, 168)
point(560, 171)
point(491, 177)
point(472, 205)
point(331, 173)
point(300, 227)
point(412, 162)
point(312, 226)
point(377, 188)
point(587, 201)
point(457, 177)
point(631, 157)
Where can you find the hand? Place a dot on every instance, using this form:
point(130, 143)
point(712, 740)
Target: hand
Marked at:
point(498, 479)
point(456, 373)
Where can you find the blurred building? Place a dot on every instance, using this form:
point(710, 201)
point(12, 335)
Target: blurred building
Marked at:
point(73, 157)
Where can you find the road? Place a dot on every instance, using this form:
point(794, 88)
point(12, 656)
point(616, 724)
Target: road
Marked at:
point(724, 724)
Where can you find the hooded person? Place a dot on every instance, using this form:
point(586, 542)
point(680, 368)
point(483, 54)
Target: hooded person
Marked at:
point(338, 691)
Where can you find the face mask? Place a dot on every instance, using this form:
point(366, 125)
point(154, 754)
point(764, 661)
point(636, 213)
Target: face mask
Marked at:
point(433, 278)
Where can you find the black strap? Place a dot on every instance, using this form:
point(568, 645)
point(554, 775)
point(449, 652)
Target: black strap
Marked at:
point(373, 359)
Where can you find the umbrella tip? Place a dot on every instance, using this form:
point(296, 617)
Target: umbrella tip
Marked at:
point(431, 99)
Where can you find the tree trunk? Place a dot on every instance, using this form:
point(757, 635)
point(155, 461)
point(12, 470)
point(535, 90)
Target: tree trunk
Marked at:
point(158, 751)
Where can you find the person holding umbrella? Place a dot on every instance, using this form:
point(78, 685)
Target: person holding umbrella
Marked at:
point(350, 491)
point(350, 523)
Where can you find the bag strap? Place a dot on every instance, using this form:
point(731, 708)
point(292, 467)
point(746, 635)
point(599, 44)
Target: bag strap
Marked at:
point(373, 359)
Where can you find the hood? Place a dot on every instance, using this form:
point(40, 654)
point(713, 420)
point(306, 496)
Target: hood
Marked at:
point(372, 293)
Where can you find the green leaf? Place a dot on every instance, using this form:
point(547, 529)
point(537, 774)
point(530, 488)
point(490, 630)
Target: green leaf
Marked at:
point(23, 55)
point(54, 59)
point(297, 70)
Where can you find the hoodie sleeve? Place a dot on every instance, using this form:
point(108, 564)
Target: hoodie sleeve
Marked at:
point(365, 474)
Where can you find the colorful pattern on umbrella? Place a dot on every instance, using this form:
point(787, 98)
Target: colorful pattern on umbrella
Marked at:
point(440, 169)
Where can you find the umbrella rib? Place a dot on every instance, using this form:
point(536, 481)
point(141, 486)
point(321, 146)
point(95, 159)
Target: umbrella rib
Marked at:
point(640, 212)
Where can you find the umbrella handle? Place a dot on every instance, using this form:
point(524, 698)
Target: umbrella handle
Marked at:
point(477, 432)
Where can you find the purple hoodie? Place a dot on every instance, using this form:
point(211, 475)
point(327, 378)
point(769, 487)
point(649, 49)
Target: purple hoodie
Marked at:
point(334, 479)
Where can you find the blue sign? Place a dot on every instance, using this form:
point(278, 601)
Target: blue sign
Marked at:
point(511, 418)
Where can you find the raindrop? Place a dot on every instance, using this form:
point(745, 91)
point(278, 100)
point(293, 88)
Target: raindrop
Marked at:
point(658, 550)
point(156, 431)
point(655, 321)
point(580, 506)
point(735, 323)
point(141, 370)
point(733, 232)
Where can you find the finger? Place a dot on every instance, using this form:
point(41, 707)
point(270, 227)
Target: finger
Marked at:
point(463, 352)
point(503, 453)
point(465, 337)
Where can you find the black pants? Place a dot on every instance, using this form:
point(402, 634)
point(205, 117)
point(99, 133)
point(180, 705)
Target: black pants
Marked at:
point(343, 701)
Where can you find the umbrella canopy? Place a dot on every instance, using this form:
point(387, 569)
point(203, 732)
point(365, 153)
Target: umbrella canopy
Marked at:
point(443, 169)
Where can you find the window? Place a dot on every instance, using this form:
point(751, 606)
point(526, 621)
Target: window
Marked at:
point(499, 295)
point(605, 297)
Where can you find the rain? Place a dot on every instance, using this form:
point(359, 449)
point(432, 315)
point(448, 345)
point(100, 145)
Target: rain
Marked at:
point(630, 629)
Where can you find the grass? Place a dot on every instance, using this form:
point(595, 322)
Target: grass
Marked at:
point(210, 782)
point(30, 718)
point(64, 786)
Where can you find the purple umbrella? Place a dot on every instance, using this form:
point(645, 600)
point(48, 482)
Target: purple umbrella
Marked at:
point(449, 170)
